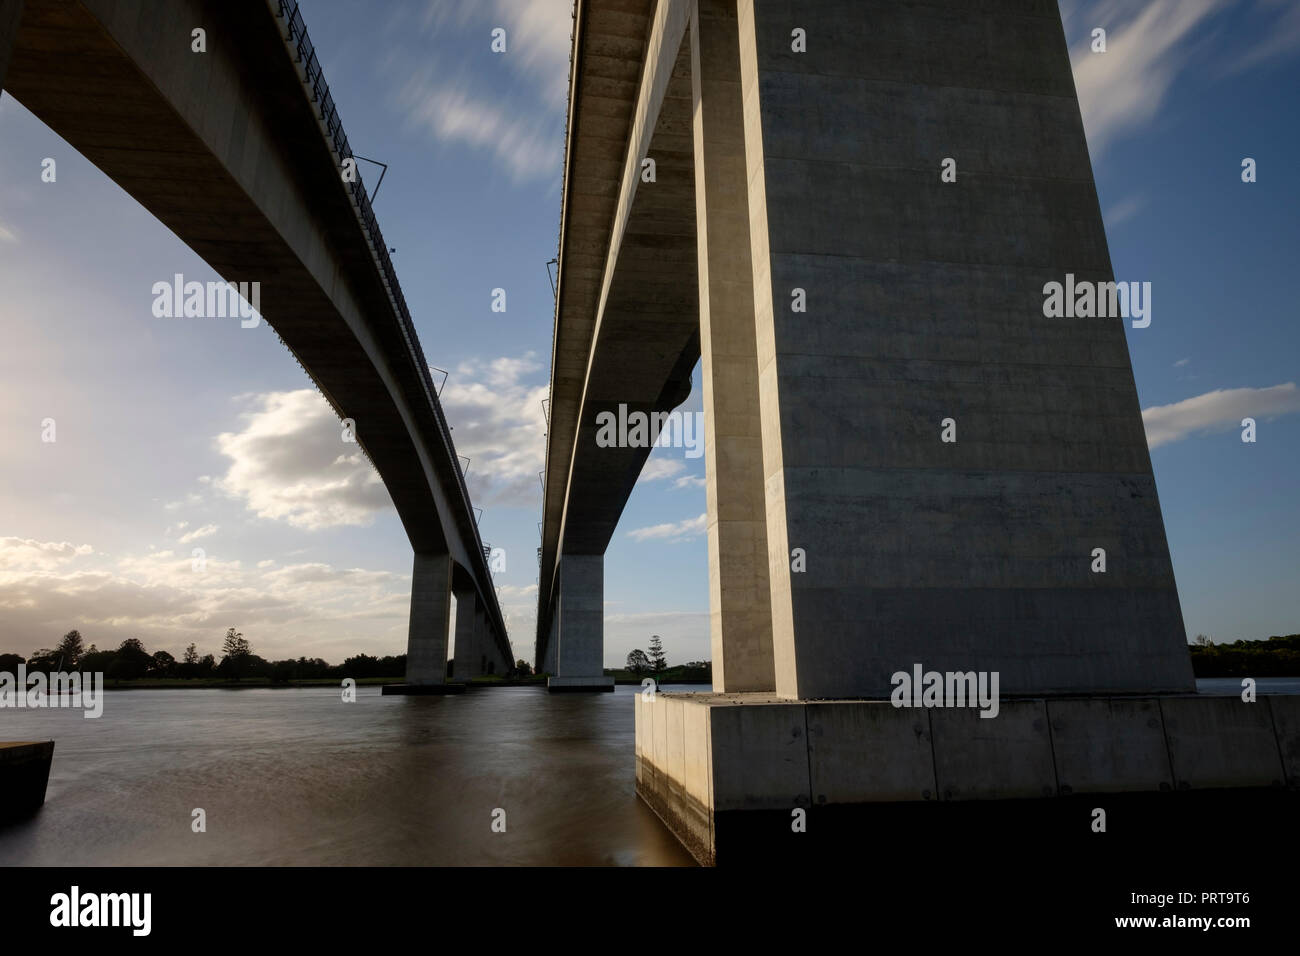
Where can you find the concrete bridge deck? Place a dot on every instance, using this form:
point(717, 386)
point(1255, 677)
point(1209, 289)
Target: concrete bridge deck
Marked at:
point(238, 150)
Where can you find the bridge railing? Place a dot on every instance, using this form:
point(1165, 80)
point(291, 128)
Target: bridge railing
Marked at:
point(319, 90)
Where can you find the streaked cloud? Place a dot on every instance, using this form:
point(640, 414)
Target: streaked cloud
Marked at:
point(1217, 411)
point(206, 531)
point(519, 118)
point(1124, 210)
point(674, 531)
point(1146, 49)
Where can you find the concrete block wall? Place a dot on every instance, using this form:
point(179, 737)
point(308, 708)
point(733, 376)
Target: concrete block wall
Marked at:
point(701, 758)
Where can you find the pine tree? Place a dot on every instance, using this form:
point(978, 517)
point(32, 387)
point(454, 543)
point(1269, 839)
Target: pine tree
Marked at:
point(658, 663)
point(70, 650)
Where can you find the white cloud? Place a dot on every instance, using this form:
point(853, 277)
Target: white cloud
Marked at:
point(7, 235)
point(47, 588)
point(657, 469)
point(1124, 88)
point(1124, 210)
point(529, 146)
point(690, 481)
point(38, 555)
point(522, 125)
point(204, 532)
point(499, 426)
point(1219, 410)
point(674, 531)
point(289, 463)
point(1182, 362)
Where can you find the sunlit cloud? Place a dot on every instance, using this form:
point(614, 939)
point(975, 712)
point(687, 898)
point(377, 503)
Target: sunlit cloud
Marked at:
point(1217, 411)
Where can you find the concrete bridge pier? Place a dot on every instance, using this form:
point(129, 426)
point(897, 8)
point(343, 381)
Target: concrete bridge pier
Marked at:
point(740, 622)
point(426, 646)
point(578, 632)
point(548, 662)
point(482, 641)
point(466, 617)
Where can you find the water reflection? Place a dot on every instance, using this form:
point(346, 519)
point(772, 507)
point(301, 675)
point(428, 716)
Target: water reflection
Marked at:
point(297, 777)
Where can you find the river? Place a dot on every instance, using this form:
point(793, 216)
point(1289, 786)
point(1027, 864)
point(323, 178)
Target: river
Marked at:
point(295, 776)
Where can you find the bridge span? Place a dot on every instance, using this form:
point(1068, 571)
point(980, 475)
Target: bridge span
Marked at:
point(240, 152)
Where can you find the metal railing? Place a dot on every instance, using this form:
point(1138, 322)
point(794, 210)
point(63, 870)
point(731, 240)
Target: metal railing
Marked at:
point(319, 93)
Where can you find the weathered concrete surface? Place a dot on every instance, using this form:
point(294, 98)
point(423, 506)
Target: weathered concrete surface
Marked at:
point(1286, 721)
point(466, 646)
point(740, 619)
point(226, 149)
point(865, 754)
point(24, 774)
point(743, 763)
point(580, 626)
point(1109, 745)
point(924, 302)
point(426, 647)
point(1222, 742)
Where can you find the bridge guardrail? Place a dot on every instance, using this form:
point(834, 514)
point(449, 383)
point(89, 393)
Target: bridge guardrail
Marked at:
point(296, 33)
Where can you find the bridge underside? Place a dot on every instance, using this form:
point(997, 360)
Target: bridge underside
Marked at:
point(228, 150)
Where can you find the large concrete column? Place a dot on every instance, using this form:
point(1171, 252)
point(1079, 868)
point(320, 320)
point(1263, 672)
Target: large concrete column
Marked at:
point(11, 12)
point(467, 640)
point(482, 640)
point(465, 618)
point(426, 647)
point(740, 619)
point(552, 642)
point(889, 301)
point(580, 635)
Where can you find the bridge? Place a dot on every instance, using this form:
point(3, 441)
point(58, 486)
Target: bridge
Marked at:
point(797, 236)
point(850, 212)
point(240, 152)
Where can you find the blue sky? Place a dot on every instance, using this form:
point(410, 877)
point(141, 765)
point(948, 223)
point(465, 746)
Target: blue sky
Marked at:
point(163, 426)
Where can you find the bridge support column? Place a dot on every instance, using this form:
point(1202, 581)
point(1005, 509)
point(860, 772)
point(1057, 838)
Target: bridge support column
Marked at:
point(922, 422)
point(740, 620)
point(466, 604)
point(580, 636)
point(552, 642)
point(482, 640)
point(11, 12)
point(426, 646)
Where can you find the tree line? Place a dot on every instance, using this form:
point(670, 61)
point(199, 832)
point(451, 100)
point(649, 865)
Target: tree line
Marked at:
point(1278, 656)
point(132, 661)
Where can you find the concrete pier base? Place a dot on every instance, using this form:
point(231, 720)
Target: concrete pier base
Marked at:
point(421, 690)
point(727, 773)
point(24, 773)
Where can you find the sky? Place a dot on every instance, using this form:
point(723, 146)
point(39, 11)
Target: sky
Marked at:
point(173, 434)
